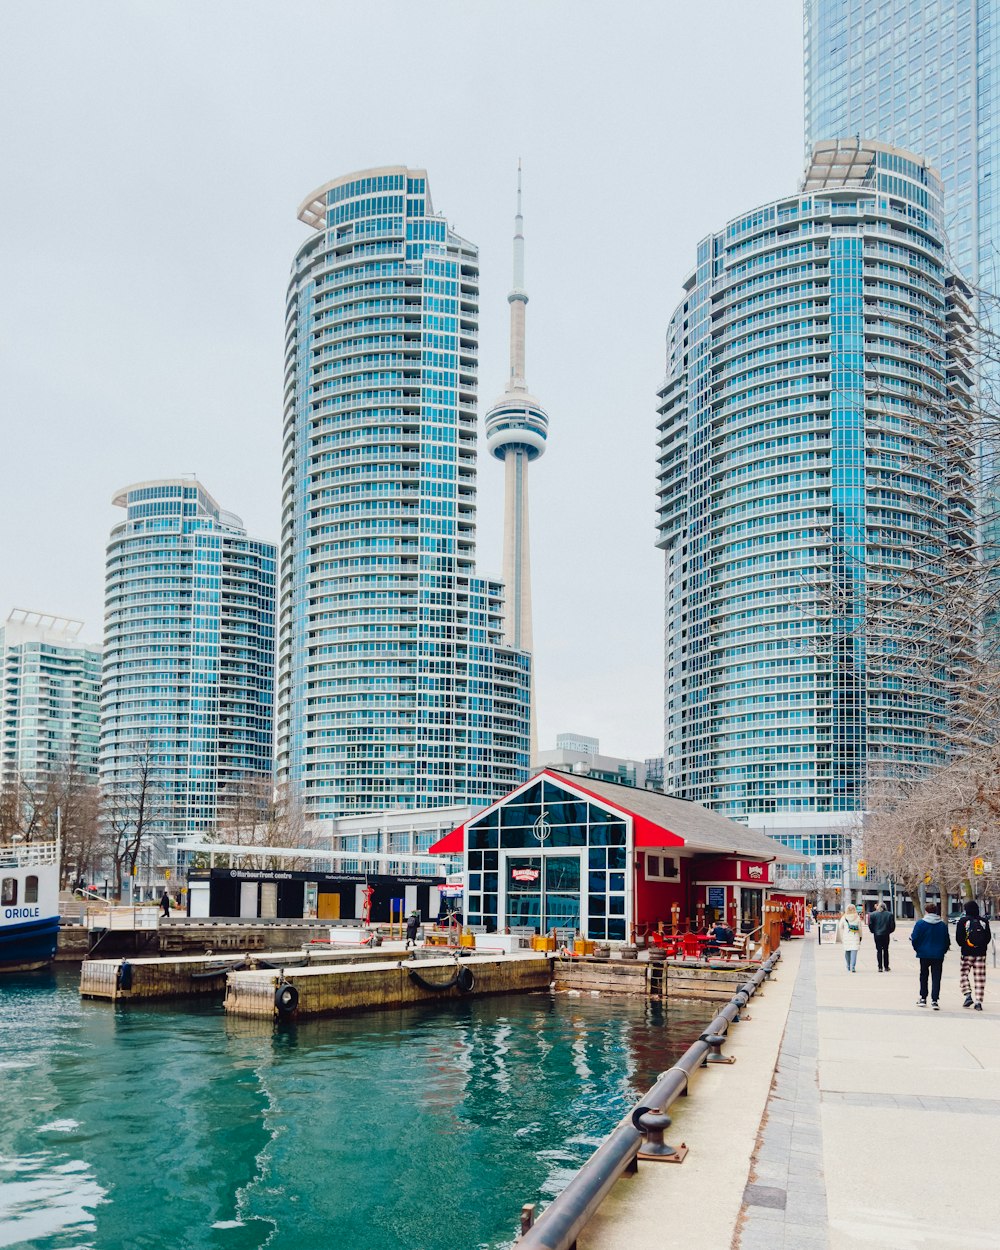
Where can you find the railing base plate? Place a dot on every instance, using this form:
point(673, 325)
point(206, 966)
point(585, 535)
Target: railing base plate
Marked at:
point(676, 1154)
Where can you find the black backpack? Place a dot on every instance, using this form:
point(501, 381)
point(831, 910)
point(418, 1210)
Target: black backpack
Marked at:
point(975, 933)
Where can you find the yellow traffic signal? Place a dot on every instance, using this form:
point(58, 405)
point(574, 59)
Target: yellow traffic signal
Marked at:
point(927, 878)
point(977, 867)
point(862, 868)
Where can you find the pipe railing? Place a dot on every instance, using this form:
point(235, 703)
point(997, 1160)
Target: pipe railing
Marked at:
point(566, 1216)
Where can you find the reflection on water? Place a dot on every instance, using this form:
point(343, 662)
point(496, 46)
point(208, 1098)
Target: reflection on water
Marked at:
point(423, 1129)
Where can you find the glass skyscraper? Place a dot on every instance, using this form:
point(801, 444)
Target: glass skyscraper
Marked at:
point(814, 455)
point(188, 679)
point(922, 75)
point(49, 699)
point(395, 689)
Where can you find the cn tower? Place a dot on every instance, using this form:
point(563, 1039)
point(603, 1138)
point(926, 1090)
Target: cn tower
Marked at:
point(516, 429)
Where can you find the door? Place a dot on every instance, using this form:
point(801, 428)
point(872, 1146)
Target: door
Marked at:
point(562, 892)
point(310, 901)
point(543, 892)
point(248, 900)
point(329, 907)
point(269, 900)
point(751, 909)
point(524, 891)
point(411, 900)
point(199, 892)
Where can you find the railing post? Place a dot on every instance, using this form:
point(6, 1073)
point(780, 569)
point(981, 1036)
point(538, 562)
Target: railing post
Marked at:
point(527, 1217)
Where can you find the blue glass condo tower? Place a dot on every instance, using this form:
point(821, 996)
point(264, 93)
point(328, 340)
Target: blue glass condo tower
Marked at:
point(394, 688)
point(188, 677)
point(922, 75)
point(815, 450)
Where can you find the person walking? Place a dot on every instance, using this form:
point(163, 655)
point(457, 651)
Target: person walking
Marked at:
point(412, 925)
point(972, 937)
point(165, 903)
point(849, 932)
point(882, 923)
point(931, 942)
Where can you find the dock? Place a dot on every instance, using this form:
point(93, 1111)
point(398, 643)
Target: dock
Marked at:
point(381, 983)
point(197, 976)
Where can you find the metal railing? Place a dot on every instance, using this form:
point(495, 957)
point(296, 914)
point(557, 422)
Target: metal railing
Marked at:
point(565, 1217)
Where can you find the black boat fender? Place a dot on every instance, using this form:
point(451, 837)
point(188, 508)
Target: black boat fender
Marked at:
point(286, 998)
point(462, 978)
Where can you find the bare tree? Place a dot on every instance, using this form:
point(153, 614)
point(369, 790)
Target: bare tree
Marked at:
point(257, 816)
point(78, 797)
point(28, 808)
point(130, 808)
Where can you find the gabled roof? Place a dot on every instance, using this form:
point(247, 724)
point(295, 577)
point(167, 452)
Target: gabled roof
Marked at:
point(659, 820)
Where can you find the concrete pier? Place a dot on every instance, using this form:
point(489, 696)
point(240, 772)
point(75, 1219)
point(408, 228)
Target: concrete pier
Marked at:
point(382, 984)
point(187, 976)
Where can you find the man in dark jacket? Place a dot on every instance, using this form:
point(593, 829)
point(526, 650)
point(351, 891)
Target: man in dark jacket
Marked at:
point(972, 937)
point(412, 925)
point(882, 923)
point(931, 940)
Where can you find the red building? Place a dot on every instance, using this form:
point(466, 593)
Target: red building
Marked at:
point(566, 851)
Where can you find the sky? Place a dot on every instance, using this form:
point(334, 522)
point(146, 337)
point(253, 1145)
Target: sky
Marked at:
point(153, 154)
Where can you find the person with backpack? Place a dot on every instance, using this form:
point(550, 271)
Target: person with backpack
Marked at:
point(849, 932)
point(931, 941)
point(972, 937)
point(882, 923)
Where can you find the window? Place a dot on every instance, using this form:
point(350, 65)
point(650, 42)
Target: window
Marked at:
point(31, 889)
point(8, 892)
point(662, 868)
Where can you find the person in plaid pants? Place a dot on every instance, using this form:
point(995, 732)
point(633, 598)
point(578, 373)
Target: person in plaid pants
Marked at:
point(972, 937)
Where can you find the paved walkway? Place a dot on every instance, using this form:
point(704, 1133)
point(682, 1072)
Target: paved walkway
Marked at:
point(852, 1116)
point(884, 1122)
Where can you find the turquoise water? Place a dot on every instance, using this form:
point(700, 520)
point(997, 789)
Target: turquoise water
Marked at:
point(423, 1129)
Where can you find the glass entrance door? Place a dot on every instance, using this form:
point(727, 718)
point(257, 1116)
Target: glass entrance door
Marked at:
point(524, 891)
point(543, 892)
point(562, 892)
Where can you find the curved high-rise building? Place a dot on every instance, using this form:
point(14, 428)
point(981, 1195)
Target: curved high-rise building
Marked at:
point(187, 688)
point(516, 430)
point(394, 687)
point(815, 456)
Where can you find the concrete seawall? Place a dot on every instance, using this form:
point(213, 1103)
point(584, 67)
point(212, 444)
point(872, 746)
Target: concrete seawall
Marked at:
point(328, 991)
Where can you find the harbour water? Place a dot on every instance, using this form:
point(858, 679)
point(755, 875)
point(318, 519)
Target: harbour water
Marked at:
point(426, 1129)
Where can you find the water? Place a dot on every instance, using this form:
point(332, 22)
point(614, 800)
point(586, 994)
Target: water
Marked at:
point(423, 1129)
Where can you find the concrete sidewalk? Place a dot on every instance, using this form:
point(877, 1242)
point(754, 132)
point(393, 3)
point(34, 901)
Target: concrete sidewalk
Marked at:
point(852, 1116)
point(884, 1123)
point(697, 1204)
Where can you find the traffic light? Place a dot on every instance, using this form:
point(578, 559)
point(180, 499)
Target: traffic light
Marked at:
point(862, 868)
point(977, 867)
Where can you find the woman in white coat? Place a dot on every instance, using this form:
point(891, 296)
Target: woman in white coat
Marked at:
point(849, 930)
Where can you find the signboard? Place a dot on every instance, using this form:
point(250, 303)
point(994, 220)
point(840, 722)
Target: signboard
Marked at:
point(755, 872)
point(826, 931)
point(717, 897)
point(524, 874)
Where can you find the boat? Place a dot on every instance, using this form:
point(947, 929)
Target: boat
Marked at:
point(29, 905)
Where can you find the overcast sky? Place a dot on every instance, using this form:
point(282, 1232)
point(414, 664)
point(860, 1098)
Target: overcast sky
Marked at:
point(153, 154)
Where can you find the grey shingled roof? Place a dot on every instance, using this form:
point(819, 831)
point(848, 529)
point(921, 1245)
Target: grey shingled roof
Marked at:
point(702, 830)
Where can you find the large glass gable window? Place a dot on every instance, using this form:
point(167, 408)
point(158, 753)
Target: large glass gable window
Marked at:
point(548, 860)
